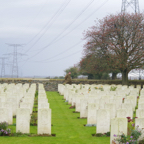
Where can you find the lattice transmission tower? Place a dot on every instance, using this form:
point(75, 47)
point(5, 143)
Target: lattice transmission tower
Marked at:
point(15, 59)
point(134, 4)
point(3, 66)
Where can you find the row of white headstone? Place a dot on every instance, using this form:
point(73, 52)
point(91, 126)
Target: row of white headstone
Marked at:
point(10, 97)
point(18, 100)
point(105, 108)
point(25, 110)
point(44, 112)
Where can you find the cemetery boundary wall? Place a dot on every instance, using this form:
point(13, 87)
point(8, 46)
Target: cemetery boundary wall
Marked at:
point(52, 84)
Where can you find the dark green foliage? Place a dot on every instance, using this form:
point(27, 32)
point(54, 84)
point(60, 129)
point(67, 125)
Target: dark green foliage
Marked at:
point(99, 135)
point(4, 131)
point(141, 141)
point(3, 125)
point(36, 94)
point(74, 72)
point(19, 134)
point(33, 120)
point(107, 134)
point(136, 134)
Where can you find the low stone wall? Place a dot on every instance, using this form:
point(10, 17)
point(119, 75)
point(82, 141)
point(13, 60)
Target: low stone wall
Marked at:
point(52, 85)
point(48, 84)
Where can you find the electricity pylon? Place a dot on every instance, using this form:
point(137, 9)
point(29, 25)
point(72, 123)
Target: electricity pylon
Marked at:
point(134, 4)
point(3, 66)
point(15, 62)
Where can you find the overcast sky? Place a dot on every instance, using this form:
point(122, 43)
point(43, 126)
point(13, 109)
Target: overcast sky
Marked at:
point(51, 31)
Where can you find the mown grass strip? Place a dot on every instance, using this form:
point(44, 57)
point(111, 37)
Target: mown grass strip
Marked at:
point(67, 127)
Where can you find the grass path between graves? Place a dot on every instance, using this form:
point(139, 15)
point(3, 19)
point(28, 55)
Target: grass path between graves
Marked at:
point(67, 127)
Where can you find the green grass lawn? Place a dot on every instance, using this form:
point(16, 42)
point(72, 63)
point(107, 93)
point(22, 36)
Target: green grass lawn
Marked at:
point(67, 127)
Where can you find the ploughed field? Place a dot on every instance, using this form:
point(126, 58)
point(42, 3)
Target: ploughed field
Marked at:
point(69, 129)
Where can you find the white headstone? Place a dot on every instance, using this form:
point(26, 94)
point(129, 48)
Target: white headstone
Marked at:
point(139, 122)
point(44, 121)
point(141, 106)
point(23, 120)
point(3, 114)
point(83, 108)
point(102, 103)
point(103, 121)
point(123, 113)
point(129, 101)
point(26, 105)
point(112, 108)
point(8, 105)
point(140, 113)
point(141, 100)
point(14, 105)
point(118, 126)
point(43, 105)
point(92, 113)
point(78, 98)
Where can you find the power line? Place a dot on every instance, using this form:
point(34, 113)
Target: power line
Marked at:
point(50, 22)
point(73, 29)
point(37, 13)
point(83, 21)
point(67, 26)
point(74, 20)
point(77, 25)
point(60, 58)
point(62, 52)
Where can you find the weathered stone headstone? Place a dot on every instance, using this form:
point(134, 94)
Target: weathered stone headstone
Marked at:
point(118, 126)
point(102, 103)
point(83, 108)
point(42, 100)
point(112, 108)
point(26, 105)
point(92, 113)
point(14, 106)
point(44, 121)
point(129, 108)
point(106, 98)
point(8, 106)
point(43, 105)
point(133, 99)
point(141, 106)
point(140, 113)
point(78, 98)
point(139, 122)
point(117, 102)
point(129, 101)
point(103, 121)
point(123, 113)
point(141, 100)
point(3, 114)
point(23, 120)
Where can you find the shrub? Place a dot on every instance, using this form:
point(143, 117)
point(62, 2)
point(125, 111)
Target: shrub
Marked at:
point(130, 139)
point(4, 131)
point(3, 125)
point(99, 135)
point(107, 134)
